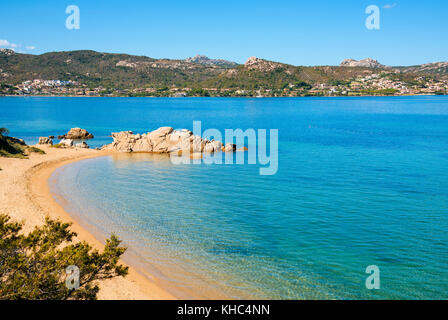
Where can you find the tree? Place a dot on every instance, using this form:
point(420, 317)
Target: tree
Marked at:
point(303, 84)
point(33, 266)
point(4, 132)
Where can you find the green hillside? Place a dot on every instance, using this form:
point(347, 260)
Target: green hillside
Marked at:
point(95, 68)
point(96, 73)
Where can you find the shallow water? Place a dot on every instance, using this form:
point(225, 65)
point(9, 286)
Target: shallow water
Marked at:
point(361, 181)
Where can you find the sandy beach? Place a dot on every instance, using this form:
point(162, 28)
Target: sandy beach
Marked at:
point(25, 196)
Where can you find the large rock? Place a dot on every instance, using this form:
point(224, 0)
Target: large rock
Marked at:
point(209, 148)
point(77, 133)
point(82, 145)
point(230, 147)
point(217, 145)
point(45, 140)
point(66, 142)
point(143, 144)
point(197, 144)
point(365, 63)
point(160, 139)
point(179, 135)
point(163, 140)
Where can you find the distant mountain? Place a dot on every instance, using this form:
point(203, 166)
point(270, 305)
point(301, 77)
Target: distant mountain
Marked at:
point(7, 52)
point(263, 74)
point(123, 71)
point(435, 68)
point(211, 62)
point(365, 63)
point(254, 63)
point(106, 69)
point(430, 68)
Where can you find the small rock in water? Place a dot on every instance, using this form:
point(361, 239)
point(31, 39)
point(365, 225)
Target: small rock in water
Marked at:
point(77, 133)
point(164, 140)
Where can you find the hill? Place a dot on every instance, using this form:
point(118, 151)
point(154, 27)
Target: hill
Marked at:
point(106, 69)
point(95, 73)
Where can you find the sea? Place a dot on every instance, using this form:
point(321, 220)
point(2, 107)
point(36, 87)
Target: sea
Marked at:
point(357, 208)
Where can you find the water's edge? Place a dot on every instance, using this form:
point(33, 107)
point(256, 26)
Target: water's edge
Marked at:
point(163, 278)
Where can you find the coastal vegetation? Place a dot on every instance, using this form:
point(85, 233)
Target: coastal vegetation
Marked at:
point(382, 92)
point(90, 73)
point(15, 148)
point(34, 266)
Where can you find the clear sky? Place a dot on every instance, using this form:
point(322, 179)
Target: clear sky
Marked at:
point(312, 32)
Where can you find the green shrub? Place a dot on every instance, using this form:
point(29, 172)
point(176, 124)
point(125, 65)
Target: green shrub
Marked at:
point(11, 147)
point(36, 150)
point(15, 148)
point(33, 266)
point(4, 131)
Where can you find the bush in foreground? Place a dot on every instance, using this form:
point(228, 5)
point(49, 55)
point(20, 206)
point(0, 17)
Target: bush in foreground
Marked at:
point(33, 266)
point(15, 148)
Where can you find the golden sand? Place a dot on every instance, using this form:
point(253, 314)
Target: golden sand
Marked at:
point(25, 196)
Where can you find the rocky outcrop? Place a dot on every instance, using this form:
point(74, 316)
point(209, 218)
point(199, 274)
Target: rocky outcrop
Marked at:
point(433, 68)
point(163, 140)
point(254, 63)
point(7, 52)
point(45, 140)
point(82, 145)
point(366, 63)
point(66, 143)
point(77, 133)
point(210, 62)
point(126, 64)
point(230, 147)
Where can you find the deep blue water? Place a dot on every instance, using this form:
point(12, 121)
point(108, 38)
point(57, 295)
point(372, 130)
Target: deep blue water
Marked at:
point(361, 181)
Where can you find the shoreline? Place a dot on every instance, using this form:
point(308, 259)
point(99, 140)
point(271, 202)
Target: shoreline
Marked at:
point(255, 97)
point(25, 196)
point(167, 275)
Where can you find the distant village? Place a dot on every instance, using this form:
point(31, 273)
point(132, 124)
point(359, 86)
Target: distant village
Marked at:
point(381, 84)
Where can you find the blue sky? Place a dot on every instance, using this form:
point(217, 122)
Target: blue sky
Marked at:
point(319, 32)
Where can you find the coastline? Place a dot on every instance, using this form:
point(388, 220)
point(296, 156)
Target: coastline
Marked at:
point(25, 196)
point(247, 97)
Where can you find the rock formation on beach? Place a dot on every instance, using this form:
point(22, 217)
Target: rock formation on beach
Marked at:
point(66, 143)
point(77, 133)
point(165, 140)
point(82, 145)
point(45, 140)
point(69, 143)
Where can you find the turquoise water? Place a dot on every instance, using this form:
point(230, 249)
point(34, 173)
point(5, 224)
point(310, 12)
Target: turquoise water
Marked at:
point(361, 181)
